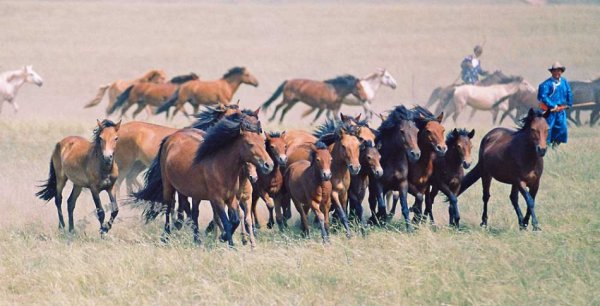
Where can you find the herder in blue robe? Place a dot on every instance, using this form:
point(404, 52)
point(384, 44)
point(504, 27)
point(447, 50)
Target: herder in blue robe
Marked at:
point(471, 67)
point(555, 95)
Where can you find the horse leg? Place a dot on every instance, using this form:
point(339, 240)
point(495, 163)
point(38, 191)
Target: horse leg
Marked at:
point(336, 197)
point(270, 204)
point(530, 206)
point(114, 209)
point(308, 112)
point(14, 104)
point(183, 206)
point(474, 110)
point(514, 199)
point(429, 198)
point(453, 212)
point(278, 107)
point(303, 211)
point(318, 114)
point(99, 211)
point(71, 206)
point(60, 185)
point(376, 199)
point(322, 220)
point(141, 106)
point(486, 182)
point(195, 214)
point(227, 226)
point(368, 110)
point(404, 203)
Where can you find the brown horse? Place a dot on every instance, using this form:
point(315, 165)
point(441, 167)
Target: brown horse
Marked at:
point(448, 173)
point(118, 87)
point(515, 158)
point(209, 92)
point(308, 184)
point(269, 186)
point(322, 95)
point(87, 165)
point(430, 139)
point(209, 169)
point(397, 142)
point(149, 94)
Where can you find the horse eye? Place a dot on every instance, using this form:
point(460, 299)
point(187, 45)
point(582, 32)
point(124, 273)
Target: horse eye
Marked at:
point(369, 157)
point(116, 138)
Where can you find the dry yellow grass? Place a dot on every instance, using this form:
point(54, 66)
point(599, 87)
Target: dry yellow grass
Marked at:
point(77, 46)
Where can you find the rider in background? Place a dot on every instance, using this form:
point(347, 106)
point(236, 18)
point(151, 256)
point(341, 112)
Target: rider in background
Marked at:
point(555, 95)
point(471, 67)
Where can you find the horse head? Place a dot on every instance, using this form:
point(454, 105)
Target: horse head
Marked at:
point(106, 139)
point(386, 78)
point(370, 157)
point(276, 147)
point(32, 76)
point(321, 158)
point(250, 171)
point(243, 74)
point(402, 131)
point(431, 132)
point(536, 127)
point(347, 148)
point(459, 142)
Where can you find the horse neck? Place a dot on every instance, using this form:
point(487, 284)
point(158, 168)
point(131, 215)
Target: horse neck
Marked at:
point(230, 157)
point(234, 82)
point(524, 148)
point(95, 160)
point(392, 154)
point(427, 153)
point(338, 164)
point(452, 160)
point(15, 78)
point(374, 81)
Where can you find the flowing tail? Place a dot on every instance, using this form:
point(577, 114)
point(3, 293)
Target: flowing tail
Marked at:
point(470, 179)
point(121, 99)
point(49, 189)
point(274, 96)
point(153, 187)
point(169, 103)
point(435, 96)
point(99, 95)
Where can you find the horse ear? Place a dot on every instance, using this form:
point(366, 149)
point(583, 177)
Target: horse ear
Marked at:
point(267, 136)
point(471, 133)
point(546, 114)
point(357, 118)
point(531, 112)
point(440, 117)
point(238, 102)
point(118, 125)
point(382, 117)
point(378, 145)
point(282, 133)
point(343, 117)
point(256, 112)
point(99, 123)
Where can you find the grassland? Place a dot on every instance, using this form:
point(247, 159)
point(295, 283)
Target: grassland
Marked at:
point(77, 46)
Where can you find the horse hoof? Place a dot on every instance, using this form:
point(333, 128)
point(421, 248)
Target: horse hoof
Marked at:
point(178, 225)
point(537, 228)
point(483, 224)
point(164, 239)
point(270, 225)
point(348, 235)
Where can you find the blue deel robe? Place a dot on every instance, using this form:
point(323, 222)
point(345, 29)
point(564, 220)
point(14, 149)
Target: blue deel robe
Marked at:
point(553, 93)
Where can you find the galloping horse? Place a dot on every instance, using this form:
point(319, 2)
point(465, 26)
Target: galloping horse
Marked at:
point(515, 158)
point(149, 94)
point(269, 186)
point(308, 183)
point(324, 95)
point(443, 94)
point(87, 165)
point(207, 169)
point(219, 91)
point(11, 82)
point(448, 173)
point(483, 98)
point(371, 84)
point(118, 87)
point(397, 142)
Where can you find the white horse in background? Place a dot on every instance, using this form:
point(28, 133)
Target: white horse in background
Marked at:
point(371, 84)
point(11, 82)
point(483, 98)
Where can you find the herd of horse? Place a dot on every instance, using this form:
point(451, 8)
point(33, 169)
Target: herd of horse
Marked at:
point(226, 158)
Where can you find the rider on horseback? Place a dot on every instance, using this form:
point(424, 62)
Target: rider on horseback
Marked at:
point(471, 67)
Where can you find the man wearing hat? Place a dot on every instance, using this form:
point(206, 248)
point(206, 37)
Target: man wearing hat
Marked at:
point(471, 67)
point(555, 95)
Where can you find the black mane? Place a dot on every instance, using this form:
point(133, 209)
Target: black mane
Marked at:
point(225, 132)
point(525, 122)
point(344, 81)
point(234, 71)
point(105, 124)
point(422, 116)
point(400, 113)
point(180, 79)
point(210, 116)
point(328, 131)
point(453, 136)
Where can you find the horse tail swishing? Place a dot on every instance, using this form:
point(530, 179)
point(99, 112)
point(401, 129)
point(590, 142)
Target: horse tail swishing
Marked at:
point(101, 91)
point(49, 190)
point(168, 104)
point(274, 97)
point(121, 99)
point(471, 178)
point(153, 186)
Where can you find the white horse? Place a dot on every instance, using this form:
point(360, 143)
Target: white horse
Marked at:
point(371, 84)
point(483, 98)
point(11, 82)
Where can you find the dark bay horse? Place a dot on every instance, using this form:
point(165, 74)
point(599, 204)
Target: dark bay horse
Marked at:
point(515, 158)
point(448, 173)
point(322, 95)
point(397, 143)
point(118, 87)
point(219, 91)
point(149, 94)
point(308, 184)
point(87, 165)
point(269, 186)
point(208, 169)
